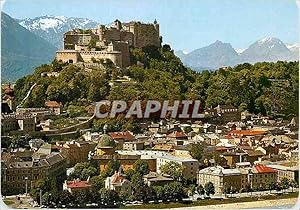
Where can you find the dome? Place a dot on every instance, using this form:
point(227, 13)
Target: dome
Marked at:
point(105, 141)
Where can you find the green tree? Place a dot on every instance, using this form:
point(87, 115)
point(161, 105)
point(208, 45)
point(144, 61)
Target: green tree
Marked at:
point(293, 184)
point(129, 173)
point(80, 197)
point(192, 189)
point(271, 185)
point(108, 196)
point(66, 198)
point(285, 183)
point(174, 169)
point(83, 171)
point(159, 192)
point(141, 166)
point(200, 190)
point(97, 182)
point(209, 188)
point(112, 167)
point(196, 151)
point(174, 190)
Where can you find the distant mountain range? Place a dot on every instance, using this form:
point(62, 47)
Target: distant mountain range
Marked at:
point(28, 43)
point(21, 50)
point(52, 28)
point(221, 54)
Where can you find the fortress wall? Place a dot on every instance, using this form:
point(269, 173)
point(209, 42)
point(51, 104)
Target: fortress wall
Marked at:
point(124, 49)
point(146, 34)
point(67, 56)
point(127, 37)
point(70, 40)
point(112, 34)
point(115, 57)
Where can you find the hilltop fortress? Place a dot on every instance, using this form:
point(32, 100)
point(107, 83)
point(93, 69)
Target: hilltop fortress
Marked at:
point(113, 42)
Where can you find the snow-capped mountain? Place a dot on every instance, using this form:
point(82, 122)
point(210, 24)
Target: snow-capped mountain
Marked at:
point(266, 49)
point(239, 51)
point(52, 28)
point(221, 54)
point(294, 48)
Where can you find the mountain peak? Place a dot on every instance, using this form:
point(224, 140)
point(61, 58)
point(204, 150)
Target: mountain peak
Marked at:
point(269, 40)
point(51, 28)
point(218, 42)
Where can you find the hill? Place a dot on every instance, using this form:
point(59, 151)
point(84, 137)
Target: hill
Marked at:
point(21, 50)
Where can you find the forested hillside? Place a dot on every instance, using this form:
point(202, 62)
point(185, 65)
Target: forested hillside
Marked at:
point(258, 88)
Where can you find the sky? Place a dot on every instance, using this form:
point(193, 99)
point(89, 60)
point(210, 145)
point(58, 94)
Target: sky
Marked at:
point(184, 24)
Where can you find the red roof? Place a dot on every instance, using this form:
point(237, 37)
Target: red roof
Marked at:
point(78, 184)
point(246, 133)
point(122, 135)
point(52, 104)
point(117, 179)
point(264, 169)
point(177, 134)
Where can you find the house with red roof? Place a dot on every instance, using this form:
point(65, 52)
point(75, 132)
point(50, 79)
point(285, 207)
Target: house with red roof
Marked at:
point(121, 137)
point(54, 106)
point(118, 182)
point(74, 185)
point(261, 175)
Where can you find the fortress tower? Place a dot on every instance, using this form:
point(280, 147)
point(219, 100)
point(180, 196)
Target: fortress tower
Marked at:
point(108, 42)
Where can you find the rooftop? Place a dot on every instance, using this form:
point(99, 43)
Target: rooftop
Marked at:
point(78, 184)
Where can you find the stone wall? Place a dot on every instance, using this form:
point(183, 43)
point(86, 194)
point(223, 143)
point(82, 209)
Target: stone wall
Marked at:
point(124, 49)
point(144, 34)
point(70, 56)
point(115, 56)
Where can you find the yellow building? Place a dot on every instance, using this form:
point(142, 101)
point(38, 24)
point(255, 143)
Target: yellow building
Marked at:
point(220, 178)
point(105, 151)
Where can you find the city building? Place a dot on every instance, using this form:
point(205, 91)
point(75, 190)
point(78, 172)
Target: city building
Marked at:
point(76, 151)
point(17, 175)
point(133, 145)
point(290, 172)
point(118, 183)
point(76, 185)
point(105, 151)
point(261, 175)
point(220, 178)
point(156, 179)
point(54, 106)
point(158, 158)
